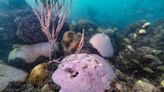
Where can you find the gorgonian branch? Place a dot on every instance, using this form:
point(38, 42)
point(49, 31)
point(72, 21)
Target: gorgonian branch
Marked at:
point(52, 12)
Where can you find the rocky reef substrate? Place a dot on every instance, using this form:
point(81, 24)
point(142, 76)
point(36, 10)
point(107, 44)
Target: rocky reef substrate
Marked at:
point(138, 61)
point(138, 51)
point(141, 56)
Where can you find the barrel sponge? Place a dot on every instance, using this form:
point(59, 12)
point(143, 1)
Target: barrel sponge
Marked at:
point(102, 43)
point(84, 73)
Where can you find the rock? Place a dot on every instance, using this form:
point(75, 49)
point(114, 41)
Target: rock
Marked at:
point(29, 30)
point(107, 31)
point(162, 83)
point(142, 56)
point(30, 53)
point(45, 88)
point(134, 26)
point(142, 31)
point(119, 87)
point(1, 61)
point(161, 68)
point(38, 74)
point(127, 40)
point(85, 24)
point(149, 70)
point(157, 52)
point(22, 87)
point(141, 86)
point(132, 36)
point(27, 57)
point(28, 27)
point(146, 25)
point(9, 74)
point(8, 26)
point(130, 48)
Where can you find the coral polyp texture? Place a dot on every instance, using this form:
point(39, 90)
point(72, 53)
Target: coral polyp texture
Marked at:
point(102, 43)
point(84, 73)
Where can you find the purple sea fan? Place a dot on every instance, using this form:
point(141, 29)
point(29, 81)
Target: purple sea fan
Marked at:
point(84, 73)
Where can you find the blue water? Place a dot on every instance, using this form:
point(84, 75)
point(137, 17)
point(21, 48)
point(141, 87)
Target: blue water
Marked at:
point(118, 13)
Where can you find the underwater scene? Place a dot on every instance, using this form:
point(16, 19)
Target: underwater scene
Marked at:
point(81, 45)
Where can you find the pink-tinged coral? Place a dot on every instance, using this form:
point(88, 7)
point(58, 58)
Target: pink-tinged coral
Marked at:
point(55, 13)
point(83, 73)
point(102, 43)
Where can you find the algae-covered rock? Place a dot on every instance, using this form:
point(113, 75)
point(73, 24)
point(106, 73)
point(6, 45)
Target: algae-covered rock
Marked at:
point(162, 83)
point(30, 53)
point(89, 26)
point(142, 31)
point(161, 68)
point(38, 74)
point(45, 88)
point(9, 74)
point(146, 25)
point(142, 86)
point(142, 55)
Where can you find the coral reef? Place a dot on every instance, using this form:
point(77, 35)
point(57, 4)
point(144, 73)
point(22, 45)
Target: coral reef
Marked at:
point(88, 25)
point(141, 57)
point(136, 55)
point(138, 62)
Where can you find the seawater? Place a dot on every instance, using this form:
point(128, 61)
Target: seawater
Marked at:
point(118, 13)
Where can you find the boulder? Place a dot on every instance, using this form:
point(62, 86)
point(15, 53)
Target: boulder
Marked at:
point(141, 86)
point(9, 74)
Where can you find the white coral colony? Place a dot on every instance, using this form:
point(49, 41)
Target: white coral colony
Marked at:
point(102, 43)
point(83, 73)
point(31, 52)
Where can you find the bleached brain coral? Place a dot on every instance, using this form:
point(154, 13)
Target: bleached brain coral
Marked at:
point(102, 43)
point(83, 73)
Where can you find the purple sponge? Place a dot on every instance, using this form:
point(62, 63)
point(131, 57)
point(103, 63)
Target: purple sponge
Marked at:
point(83, 73)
